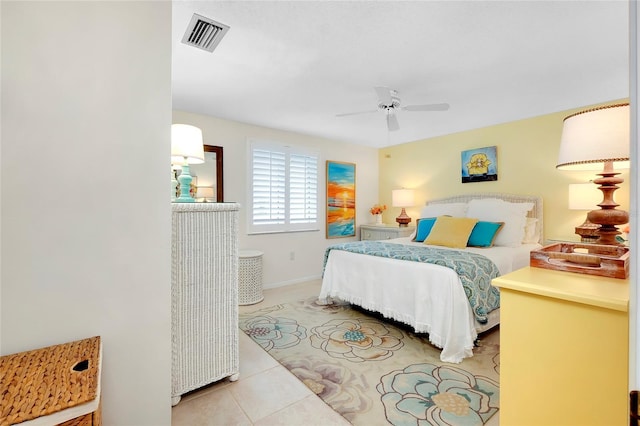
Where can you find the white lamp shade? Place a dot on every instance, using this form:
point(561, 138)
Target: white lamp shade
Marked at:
point(186, 144)
point(402, 198)
point(584, 196)
point(593, 137)
point(204, 192)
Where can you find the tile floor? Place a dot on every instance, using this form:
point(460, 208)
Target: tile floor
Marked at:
point(266, 393)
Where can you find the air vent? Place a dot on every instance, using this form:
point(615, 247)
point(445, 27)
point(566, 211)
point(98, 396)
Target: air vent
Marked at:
point(204, 33)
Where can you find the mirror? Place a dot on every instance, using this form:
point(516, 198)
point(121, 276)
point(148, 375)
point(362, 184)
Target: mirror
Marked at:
point(207, 177)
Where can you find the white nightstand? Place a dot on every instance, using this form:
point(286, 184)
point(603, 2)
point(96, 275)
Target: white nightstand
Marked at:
point(384, 232)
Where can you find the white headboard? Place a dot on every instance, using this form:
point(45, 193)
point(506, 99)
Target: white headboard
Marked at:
point(535, 212)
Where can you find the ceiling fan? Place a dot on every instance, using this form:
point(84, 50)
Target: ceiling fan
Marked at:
point(389, 103)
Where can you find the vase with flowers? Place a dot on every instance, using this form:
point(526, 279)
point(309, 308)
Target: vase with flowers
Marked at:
point(376, 211)
point(624, 237)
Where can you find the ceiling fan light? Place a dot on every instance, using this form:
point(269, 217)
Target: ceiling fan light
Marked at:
point(389, 102)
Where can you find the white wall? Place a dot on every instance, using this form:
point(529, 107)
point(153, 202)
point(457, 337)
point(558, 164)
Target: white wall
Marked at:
point(86, 114)
point(0, 180)
point(308, 247)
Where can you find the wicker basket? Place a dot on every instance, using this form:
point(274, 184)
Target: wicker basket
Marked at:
point(47, 381)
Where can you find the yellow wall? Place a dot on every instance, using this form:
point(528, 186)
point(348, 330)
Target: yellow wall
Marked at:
point(527, 152)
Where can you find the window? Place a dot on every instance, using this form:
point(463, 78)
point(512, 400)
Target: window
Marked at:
point(284, 188)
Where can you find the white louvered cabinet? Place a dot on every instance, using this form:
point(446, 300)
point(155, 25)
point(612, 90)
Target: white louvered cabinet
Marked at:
point(204, 295)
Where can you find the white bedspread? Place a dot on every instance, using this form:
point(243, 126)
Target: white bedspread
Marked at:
point(428, 297)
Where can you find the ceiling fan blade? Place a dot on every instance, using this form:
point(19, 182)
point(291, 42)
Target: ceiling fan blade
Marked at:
point(392, 122)
point(384, 95)
point(429, 107)
point(356, 113)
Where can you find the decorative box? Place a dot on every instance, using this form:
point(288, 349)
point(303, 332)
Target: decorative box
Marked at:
point(56, 385)
point(583, 258)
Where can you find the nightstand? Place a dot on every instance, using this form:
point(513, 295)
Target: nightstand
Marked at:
point(384, 232)
point(564, 345)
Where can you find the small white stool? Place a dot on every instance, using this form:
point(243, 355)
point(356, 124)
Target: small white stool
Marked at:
point(250, 277)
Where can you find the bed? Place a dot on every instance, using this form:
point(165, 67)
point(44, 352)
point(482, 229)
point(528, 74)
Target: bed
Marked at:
point(426, 295)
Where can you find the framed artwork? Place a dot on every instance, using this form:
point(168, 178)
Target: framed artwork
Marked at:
point(480, 165)
point(210, 172)
point(341, 199)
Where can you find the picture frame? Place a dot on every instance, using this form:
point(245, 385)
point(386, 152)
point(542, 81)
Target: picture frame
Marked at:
point(211, 171)
point(479, 165)
point(341, 199)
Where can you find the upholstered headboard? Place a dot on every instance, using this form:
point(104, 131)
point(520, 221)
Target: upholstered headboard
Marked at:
point(535, 212)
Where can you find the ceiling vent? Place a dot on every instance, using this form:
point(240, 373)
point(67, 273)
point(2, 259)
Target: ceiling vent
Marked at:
point(204, 33)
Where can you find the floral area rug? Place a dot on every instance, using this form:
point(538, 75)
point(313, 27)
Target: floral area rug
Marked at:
point(368, 368)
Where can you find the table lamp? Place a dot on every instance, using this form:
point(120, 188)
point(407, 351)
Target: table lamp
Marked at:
point(402, 198)
point(186, 148)
point(205, 193)
point(583, 196)
point(592, 139)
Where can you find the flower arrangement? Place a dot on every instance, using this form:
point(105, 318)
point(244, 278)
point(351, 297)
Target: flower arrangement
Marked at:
point(624, 238)
point(378, 208)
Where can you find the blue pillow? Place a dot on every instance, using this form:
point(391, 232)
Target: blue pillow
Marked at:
point(484, 233)
point(424, 228)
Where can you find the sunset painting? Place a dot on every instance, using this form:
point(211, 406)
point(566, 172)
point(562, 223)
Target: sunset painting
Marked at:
point(341, 199)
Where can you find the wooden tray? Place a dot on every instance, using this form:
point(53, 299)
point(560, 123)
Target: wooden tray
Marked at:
point(592, 259)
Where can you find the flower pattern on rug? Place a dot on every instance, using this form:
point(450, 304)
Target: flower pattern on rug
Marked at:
point(356, 340)
point(311, 304)
point(496, 363)
point(337, 385)
point(331, 351)
point(484, 347)
point(428, 394)
point(274, 332)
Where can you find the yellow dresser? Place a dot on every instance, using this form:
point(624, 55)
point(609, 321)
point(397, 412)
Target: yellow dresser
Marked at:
point(564, 345)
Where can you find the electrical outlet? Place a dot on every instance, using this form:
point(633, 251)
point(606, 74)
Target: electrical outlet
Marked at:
point(292, 255)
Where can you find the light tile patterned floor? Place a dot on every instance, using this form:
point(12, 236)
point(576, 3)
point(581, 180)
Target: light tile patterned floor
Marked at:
point(266, 394)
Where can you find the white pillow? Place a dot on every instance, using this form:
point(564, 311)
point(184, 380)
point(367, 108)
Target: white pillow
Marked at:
point(531, 234)
point(444, 209)
point(514, 216)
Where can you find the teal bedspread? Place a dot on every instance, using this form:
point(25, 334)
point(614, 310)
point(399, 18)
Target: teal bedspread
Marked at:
point(475, 271)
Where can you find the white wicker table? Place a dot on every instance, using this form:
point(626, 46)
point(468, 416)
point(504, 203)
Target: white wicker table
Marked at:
point(250, 277)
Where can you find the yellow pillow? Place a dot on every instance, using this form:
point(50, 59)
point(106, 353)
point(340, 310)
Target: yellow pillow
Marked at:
point(451, 232)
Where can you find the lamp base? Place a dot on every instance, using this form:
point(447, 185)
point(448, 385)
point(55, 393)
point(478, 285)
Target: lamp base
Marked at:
point(588, 232)
point(185, 186)
point(403, 220)
point(608, 216)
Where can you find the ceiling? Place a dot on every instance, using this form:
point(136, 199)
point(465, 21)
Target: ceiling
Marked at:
point(295, 65)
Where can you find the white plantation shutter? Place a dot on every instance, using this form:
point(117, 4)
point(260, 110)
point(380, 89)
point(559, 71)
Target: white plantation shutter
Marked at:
point(303, 189)
point(269, 187)
point(284, 189)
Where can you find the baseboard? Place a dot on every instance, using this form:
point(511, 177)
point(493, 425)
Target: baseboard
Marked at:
point(291, 282)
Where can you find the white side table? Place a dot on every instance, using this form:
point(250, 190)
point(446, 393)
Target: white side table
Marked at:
point(250, 277)
point(384, 232)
